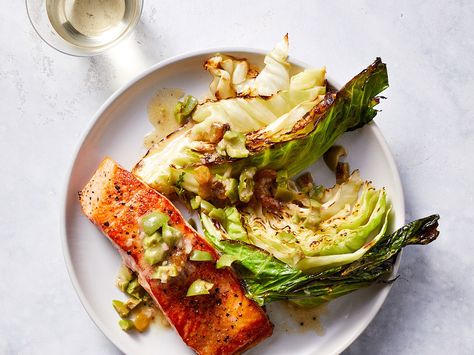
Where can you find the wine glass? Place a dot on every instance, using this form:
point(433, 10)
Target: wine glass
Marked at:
point(83, 27)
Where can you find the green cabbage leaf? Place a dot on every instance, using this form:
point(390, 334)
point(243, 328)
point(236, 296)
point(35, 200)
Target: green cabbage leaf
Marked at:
point(268, 279)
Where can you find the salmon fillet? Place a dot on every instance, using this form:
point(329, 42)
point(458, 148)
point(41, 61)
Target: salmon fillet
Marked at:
point(223, 322)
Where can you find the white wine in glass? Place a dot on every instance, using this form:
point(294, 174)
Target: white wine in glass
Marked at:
point(93, 25)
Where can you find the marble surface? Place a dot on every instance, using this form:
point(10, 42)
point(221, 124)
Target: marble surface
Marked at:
point(48, 98)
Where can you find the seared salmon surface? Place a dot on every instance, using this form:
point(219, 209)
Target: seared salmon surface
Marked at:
point(223, 322)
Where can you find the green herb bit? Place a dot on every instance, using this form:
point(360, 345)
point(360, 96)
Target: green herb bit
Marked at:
point(199, 287)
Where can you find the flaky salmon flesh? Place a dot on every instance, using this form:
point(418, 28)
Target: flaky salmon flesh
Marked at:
point(223, 322)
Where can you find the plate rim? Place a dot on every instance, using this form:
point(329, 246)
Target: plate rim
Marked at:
point(116, 341)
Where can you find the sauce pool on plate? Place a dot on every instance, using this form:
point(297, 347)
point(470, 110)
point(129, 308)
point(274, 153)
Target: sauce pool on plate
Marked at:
point(161, 115)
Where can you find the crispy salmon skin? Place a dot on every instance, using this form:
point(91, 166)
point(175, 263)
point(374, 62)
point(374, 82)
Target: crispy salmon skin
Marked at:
point(223, 322)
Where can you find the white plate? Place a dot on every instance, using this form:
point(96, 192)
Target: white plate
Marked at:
point(117, 131)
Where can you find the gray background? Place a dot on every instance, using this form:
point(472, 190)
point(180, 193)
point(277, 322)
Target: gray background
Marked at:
point(47, 98)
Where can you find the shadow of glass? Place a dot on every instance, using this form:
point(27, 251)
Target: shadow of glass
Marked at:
point(112, 69)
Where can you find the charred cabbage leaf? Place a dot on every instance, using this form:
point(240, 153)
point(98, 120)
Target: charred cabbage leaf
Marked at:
point(312, 234)
point(268, 279)
point(291, 141)
point(305, 141)
point(276, 73)
point(237, 77)
point(231, 76)
point(246, 114)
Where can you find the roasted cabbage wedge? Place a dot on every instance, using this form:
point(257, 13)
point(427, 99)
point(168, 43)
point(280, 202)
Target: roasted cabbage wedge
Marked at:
point(308, 230)
point(292, 133)
point(295, 240)
point(300, 143)
point(311, 234)
point(268, 279)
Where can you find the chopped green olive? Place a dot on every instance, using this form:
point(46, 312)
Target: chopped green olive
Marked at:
point(231, 190)
point(178, 112)
point(122, 310)
point(164, 272)
point(199, 287)
point(233, 145)
point(195, 202)
point(171, 235)
point(132, 303)
point(153, 221)
point(183, 109)
point(225, 260)
point(206, 206)
point(283, 192)
point(199, 255)
point(126, 324)
point(134, 289)
point(233, 224)
point(219, 214)
point(227, 188)
point(123, 278)
point(151, 240)
point(154, 255)
point(190, 103)
point(246, 184)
